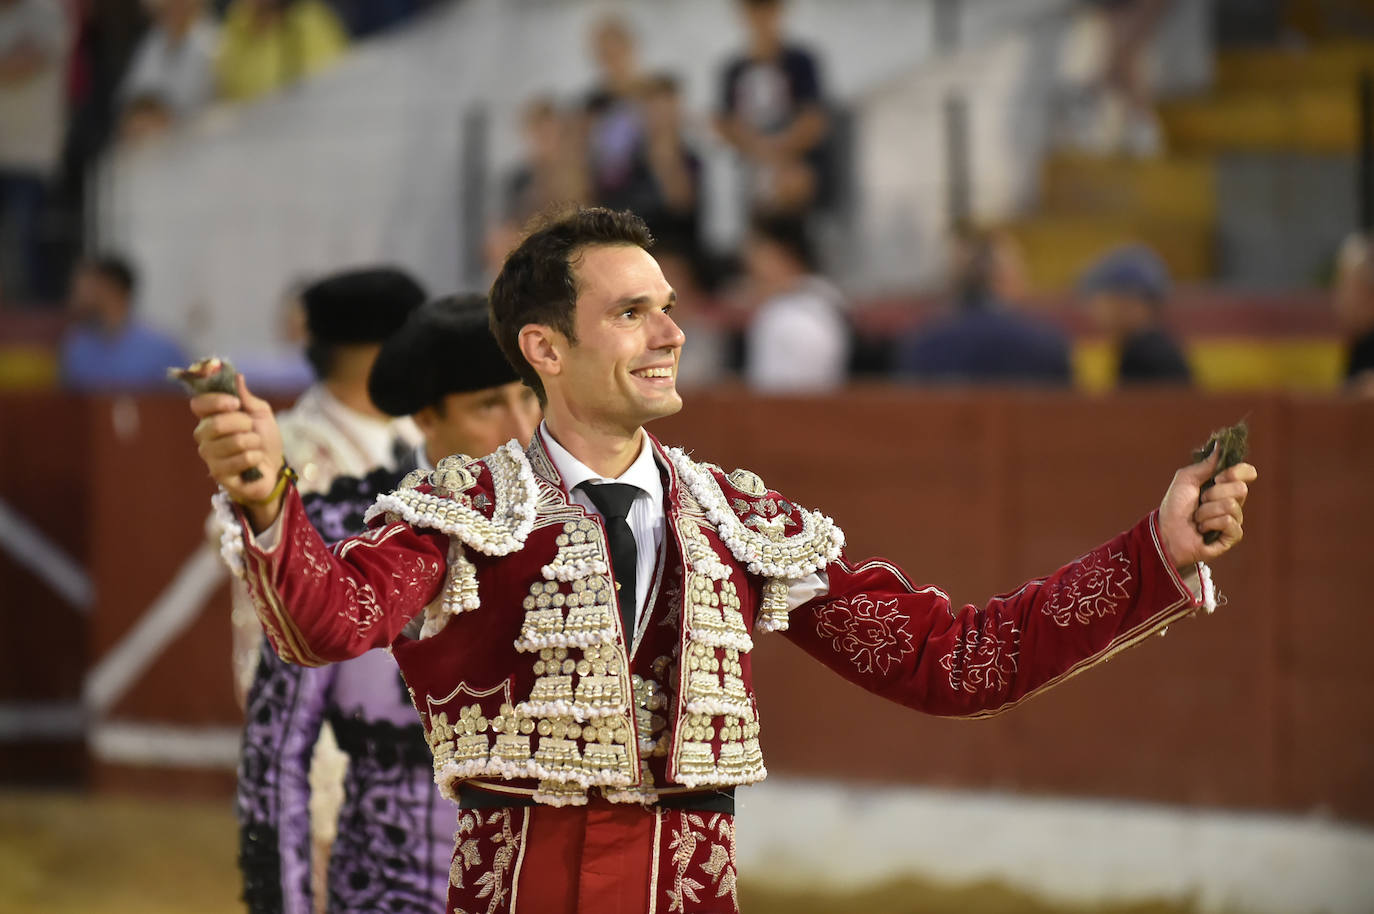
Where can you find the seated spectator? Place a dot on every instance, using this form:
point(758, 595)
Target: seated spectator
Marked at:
point(989, 339)
point(34, 39)
point(266, 45)
point(172, 71)
point(1125, 118)
point(1355, 311)
point(109, 349)
point(772, 112)
point(1126, 292)
point(552, 172)
point(553, 169)
point(614, 119)
point(670, 173)
point(799, 339)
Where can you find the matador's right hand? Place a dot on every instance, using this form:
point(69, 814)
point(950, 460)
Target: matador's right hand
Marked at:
point(235, 433)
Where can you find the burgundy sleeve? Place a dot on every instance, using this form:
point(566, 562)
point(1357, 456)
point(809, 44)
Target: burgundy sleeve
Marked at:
point(911, 645)
point(319, 604)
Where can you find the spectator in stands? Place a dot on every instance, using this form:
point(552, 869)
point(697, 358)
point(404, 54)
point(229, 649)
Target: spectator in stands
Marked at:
point(772, 112)
point(989, 339)
point(34, 41)
point(1126, 292)
point(671, 169)
point(1122, 116)
point(1355, 311)
point(266, 45)
point(799, 339)
point(553, 170)
point(614, 118)
point(172, 74)
point(109, 349)
point(660, 182)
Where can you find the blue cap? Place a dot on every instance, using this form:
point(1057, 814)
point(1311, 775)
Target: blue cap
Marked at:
point(1132, 270)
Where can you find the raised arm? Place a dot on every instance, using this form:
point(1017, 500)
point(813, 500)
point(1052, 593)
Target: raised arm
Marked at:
point(317, 603)
point(912, 645)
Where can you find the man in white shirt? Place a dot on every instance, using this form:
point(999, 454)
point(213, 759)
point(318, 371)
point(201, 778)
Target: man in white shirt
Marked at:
point(334, 429)
point(799, 340)
point(174, 63)
point(594, 740)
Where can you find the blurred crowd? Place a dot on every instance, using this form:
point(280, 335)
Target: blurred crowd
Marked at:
point(628, 143)
point(79, 75)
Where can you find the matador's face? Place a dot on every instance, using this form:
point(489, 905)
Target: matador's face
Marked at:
point(622, 371)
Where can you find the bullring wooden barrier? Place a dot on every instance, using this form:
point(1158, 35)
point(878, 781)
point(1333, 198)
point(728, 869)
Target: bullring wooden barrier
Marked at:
point(1264, 705)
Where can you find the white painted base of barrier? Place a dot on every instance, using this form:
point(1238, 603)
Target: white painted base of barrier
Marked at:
point(824, 836)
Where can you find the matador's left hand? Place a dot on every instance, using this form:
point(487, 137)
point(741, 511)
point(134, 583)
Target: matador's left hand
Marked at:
point(1183, 519)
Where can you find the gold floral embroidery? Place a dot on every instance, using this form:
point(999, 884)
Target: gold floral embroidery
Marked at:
point(872, 634)
point(360, 605)
point(983, 660)
point(316, 565)
point(718, 833)
point(474, 829)
point(721, 864)
point(1096, 587)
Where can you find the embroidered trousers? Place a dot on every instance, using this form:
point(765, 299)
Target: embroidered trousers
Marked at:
point(602, 858)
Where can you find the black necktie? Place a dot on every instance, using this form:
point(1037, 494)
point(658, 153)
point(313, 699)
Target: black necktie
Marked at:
point(613, 500)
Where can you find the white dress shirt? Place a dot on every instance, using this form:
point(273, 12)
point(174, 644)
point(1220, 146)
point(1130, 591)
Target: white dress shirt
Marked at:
point(646, 517)
point(799, 341)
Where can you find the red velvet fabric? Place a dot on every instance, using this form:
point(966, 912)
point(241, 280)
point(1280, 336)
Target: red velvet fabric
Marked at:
point(601, 858)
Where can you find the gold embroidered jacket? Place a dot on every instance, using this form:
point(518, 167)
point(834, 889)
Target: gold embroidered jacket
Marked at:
point(494, 592)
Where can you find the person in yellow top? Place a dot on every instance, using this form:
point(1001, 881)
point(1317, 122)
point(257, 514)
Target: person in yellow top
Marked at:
point(266, 45)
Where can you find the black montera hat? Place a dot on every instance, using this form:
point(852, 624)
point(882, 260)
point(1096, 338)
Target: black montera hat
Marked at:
point(446, 347)
point(360, 306)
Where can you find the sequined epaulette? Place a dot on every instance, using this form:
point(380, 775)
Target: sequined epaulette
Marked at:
point(486, 505)
point(773, 537)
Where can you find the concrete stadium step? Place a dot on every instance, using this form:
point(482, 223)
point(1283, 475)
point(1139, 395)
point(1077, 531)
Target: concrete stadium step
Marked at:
point(1059, 248)
point(1172, 188)
point(1325, 66)
point(1299, 120)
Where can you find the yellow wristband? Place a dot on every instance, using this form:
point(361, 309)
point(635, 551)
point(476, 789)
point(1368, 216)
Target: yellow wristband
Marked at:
point(285, 476)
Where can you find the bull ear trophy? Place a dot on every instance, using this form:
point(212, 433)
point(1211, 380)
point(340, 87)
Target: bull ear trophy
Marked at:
point(1234, 441)
point(212, 375)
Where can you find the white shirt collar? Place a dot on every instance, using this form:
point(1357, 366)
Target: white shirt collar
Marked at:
point(642, 474)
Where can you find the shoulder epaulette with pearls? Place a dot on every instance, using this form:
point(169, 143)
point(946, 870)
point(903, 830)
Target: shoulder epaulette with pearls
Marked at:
point(486, 505)
point(774, 538)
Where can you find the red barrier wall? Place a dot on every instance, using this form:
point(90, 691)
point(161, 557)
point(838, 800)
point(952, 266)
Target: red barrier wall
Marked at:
point(1264, 705)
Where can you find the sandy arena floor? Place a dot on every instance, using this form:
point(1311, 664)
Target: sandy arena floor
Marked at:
point(72, 854)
